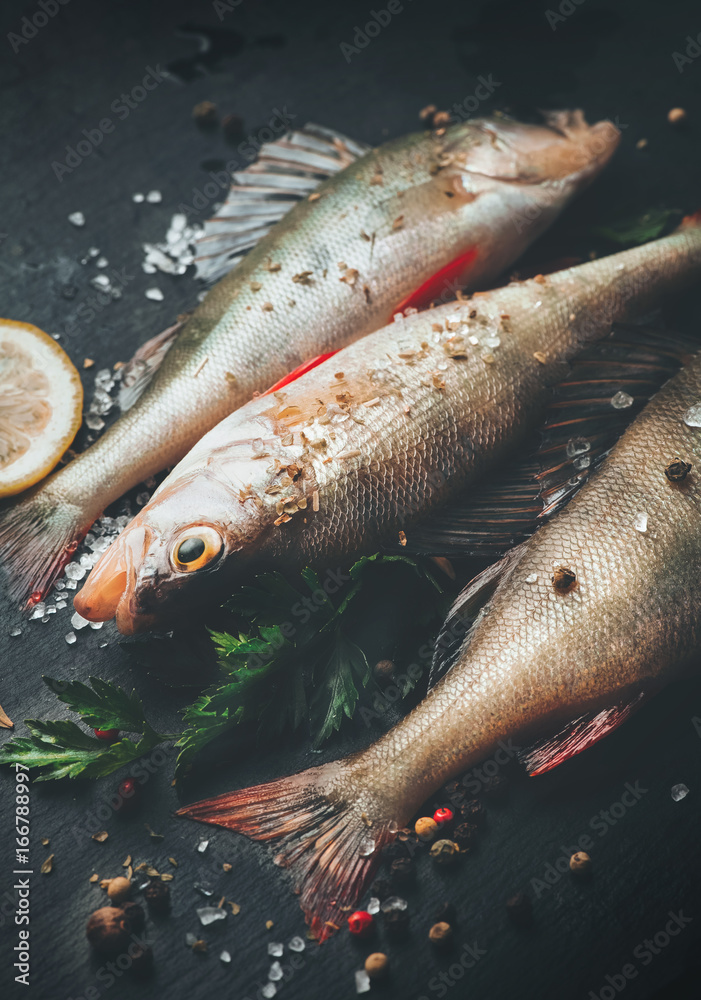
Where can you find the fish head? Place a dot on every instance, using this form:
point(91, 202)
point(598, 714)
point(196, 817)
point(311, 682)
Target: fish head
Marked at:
point(564, 150)
point(170, 558)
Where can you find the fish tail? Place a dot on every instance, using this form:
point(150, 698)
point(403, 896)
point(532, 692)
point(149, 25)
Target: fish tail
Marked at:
point(330, 847)
point(38, 536)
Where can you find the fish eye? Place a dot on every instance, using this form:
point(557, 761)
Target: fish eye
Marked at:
point(196, 548)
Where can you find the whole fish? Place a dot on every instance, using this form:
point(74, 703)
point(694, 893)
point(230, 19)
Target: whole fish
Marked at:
point(399, 225)
point(594, 613)
point(363, 446)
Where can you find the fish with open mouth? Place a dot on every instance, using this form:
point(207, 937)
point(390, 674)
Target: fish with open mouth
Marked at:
point(387, 228)
point(368, 443)
point(561, 641)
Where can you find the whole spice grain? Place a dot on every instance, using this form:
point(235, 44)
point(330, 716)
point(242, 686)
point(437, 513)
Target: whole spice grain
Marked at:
point(677, 470)
point(440, 934)
point(444, 852)
point(157, 896)
point(376, 965)
point(580, 863)
point(109, 930)
point(119, 889)
point(426, 828)
point(135, 914)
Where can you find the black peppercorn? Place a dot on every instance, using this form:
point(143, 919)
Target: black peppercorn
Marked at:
point(135, 912)
point(402, 870)
point(465, 836)
point(396, 922)
point(472, 812)
point(677, 471)
point(495, 787)
point(381, 888)
point(157, 896)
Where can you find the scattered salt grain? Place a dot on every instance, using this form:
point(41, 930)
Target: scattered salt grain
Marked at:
point(76, 219)
point(373, 906)
point(362, 981)
point(297, 944)
point(225, 957)
point(692, 417)
point(202, 846)
point(640, 522)
point(275, 948)
point(70, 638)
point(138, 197)
point(154, 197)
point(15, 630)
point(268, 991)
point(275, 972)
point(154, 294)
point(532, 578)
point(78, 622)
point(621, 401)
point(74, 571)
point(210, 914)
point(679, 792)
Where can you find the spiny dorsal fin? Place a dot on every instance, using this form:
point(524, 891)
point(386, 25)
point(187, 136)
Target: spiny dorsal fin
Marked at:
point(578, 735)
point(285, 172)
point(463, 615)
point(581, 426)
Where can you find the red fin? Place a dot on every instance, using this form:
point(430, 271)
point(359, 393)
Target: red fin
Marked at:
point(321, 838)
point(439, 283)
point(302, 369)
point(691, 220)
point(579, 735)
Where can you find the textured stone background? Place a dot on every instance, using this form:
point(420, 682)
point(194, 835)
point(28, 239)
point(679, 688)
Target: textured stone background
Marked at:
point(613, 59)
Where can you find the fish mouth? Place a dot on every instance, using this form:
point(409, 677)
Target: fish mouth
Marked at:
point(109, 591)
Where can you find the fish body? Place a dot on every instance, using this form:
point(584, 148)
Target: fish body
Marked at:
point(363, 446)
point(458, 206)
point(537, 657)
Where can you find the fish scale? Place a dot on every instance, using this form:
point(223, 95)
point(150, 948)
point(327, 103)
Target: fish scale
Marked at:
point(445, 411)
point(398, 216)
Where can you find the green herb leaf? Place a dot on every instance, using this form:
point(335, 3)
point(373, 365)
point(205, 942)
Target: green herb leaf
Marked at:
point(342, 670)
point(640, 229)
point(104, 706)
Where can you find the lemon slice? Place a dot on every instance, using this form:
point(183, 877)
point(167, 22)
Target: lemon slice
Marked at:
point(41, 400)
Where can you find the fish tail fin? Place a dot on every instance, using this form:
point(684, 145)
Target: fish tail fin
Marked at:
point(327, 843)
point(38, 535)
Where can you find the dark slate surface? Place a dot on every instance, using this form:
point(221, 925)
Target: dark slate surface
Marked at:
point(614, 59)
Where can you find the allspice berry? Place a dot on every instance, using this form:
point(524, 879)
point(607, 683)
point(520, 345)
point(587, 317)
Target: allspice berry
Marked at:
point(580, 863)
point(157, 896)
point(384, 671)
point(376, 965)
point(676, 116)
point(109, 930)
point(426, 828)
point(444, 852)
point(119, 889)
point(440, 934)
